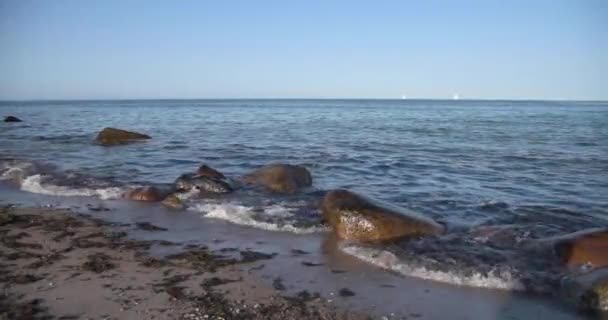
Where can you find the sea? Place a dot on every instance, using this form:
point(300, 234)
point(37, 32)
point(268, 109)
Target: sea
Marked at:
point(500, 175)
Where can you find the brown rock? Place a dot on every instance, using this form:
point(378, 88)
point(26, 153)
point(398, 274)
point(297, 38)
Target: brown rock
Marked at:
point(354, 217)
point(283, 178)
point(587, 246)
point(206, 171)
point(149, 194)
point(172, 201)
point(112, 136)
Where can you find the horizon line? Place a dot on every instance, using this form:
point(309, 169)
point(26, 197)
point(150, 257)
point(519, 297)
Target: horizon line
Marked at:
point(244, 99)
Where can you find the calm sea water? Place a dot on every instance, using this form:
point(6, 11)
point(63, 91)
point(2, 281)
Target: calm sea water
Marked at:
point(444, 158)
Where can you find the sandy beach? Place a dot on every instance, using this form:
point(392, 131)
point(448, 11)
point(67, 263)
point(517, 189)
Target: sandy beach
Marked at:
point(57, 264)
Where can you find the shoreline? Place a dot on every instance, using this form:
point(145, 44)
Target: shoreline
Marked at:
point(56, 263)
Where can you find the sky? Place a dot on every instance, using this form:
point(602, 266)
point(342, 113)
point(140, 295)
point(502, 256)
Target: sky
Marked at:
point(490, 49)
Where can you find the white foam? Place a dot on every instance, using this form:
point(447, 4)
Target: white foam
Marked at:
point(244, 215)
point(387, 260)
point(33, 184)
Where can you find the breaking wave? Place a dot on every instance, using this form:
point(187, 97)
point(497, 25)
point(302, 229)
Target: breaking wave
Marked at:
point(273, 217)
point(495, 278)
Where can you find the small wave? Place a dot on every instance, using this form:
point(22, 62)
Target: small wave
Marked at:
point(34, 184)
point(494, 279)
point(282, 218)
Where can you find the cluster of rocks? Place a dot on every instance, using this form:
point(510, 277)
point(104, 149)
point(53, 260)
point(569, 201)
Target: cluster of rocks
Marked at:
point(357, 218)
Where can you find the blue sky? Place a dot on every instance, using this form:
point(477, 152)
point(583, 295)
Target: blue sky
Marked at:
point(492, 49)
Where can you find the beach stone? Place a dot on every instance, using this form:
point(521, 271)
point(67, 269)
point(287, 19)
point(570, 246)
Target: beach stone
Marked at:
point(281, 178)
point(12, 119)
point(354, 217)
point(206, 171)
point(588, 291)
point(188, 182)
point(149, 194)
point(584, 247)
point(113, 136)
point(173, 201)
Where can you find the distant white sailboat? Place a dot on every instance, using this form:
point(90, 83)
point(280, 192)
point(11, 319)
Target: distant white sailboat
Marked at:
point(403, 97)
point(455, 97)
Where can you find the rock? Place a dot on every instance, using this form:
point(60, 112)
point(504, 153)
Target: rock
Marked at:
point(149, 194)
point(12, 119)
point(282, 178)
point(354, 217)
point(588, 291)
point(112, 136)
point(206, 171)
point(187, 182)
point(584, 247)
point(173, 201)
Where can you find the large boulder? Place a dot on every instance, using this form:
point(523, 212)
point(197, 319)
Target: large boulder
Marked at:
point(588, 291)
point(584, 247)
point(12, 119)
point(281, 178)
point(148, 194)
point(354, 217)
point(113, 136)
point(206, 171)
point(188, 182)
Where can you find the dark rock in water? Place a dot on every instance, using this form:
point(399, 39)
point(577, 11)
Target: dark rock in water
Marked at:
point(113, 136)
point(12, 119)
point(346, 292)
point(282, 178)
point(354, 217)
point(588, 291)
point(149, 227)
point(149, 194)
point(206, 171)
point(187, 182)
point(584, 247)
point(173, 202)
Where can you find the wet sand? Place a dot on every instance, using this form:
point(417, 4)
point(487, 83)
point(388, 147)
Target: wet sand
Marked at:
point(56, 264)
point(100, 259)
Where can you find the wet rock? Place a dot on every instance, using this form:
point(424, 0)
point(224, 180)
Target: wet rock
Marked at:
point(173, 201)
point(354, 217)
point(281, 178)
point(149, 194)
point(188, 182)
point(149, 227)
point(585, 247)
point(12, 119)
point(206, 171)
point(113, 136)
point(346, 292)
point(587, 291)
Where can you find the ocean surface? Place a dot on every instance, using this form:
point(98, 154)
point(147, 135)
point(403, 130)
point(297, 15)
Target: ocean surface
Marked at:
point(530, 169)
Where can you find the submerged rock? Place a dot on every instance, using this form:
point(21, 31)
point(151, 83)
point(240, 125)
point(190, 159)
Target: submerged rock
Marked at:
point(113, 136)
point(12, 119)
point(354, 217)
point(187, 182)
point(282, 178)
point(173, 201)
point(584, 247)
point(587, 291)
point(149, 194)
point(206, 171)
